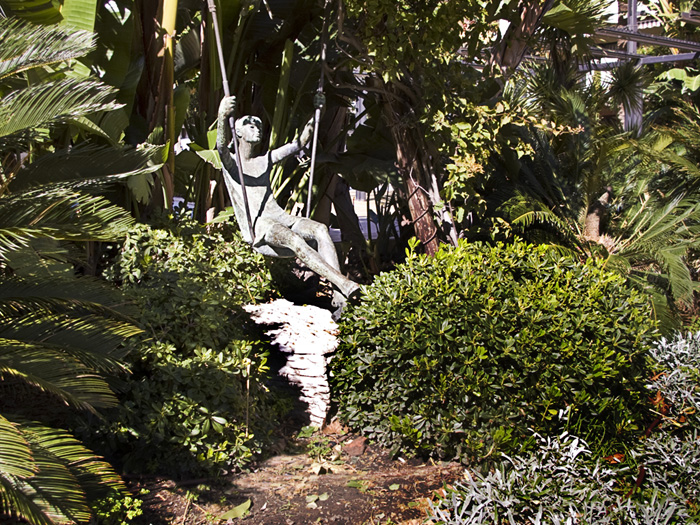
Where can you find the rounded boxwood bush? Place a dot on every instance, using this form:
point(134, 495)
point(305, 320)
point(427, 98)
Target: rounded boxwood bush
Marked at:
point(472, 350)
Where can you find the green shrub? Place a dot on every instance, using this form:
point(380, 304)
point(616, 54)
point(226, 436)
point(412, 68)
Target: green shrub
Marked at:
point(118, 508)
point(195, 400)
point(657, 481)
point(464, 352)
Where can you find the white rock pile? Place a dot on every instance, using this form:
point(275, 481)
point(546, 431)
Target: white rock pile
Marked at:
point(308, 335)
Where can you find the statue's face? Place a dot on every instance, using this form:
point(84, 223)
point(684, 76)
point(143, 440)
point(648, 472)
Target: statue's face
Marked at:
point(250, 130)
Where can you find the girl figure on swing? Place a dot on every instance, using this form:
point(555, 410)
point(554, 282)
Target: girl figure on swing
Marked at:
point(276, 233)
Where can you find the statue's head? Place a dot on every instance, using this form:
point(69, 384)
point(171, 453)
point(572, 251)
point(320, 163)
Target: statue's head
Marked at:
point(249, 129)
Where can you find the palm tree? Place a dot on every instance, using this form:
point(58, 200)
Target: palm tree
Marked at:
point(60, 335)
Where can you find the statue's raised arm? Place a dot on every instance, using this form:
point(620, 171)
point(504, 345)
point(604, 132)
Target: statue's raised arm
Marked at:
point(294, 147)
point(223, 134)
point(275, 232)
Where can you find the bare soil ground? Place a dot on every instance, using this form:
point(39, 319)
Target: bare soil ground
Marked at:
point(312, 480)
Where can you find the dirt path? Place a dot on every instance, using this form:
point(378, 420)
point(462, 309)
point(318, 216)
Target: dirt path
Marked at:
point(325, 478)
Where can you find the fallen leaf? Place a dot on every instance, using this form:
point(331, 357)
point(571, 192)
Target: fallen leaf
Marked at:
point(615, 458)
point(318, 469)
point(237, 512)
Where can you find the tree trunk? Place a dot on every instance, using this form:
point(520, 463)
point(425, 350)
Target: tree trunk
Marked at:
point(414, 162)
point(594, 216)
point(510, 51)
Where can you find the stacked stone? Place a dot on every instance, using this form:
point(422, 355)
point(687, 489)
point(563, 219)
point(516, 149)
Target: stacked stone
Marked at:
point(308, 336)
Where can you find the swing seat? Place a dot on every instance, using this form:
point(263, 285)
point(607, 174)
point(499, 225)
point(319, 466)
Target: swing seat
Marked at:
point(269, 251)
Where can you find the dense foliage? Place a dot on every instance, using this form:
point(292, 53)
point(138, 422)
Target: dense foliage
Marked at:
point(463, 352)
point(195, 400)
point(60, 334)
point(658, 481)
point(558, 483)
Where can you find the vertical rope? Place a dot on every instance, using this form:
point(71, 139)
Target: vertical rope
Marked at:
point(231, 121)
point(318, 105)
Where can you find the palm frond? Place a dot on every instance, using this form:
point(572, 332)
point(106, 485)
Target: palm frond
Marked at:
point(657, 292)
point(56, 372)
point(88, 165)
point(79, 317)
point(653, 230)
point(67, 471)
point(58, 213)
point(17, 503)
point(679, 278)
point(62, 297)
point(59, 335)
point(25, 110)
point(626, 84)
point(95, 336)
point(27, 46)
point(15, 453)
point(58, 489)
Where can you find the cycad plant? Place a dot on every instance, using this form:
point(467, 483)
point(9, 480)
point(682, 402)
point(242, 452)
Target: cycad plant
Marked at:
point(59, 334)
point(599, 192)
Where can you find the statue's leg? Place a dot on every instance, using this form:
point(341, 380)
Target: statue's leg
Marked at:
point(311, 230)
point(277, 235)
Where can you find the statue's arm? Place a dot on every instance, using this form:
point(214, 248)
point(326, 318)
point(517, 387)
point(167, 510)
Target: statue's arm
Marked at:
point(223, 134)
point(294, 147)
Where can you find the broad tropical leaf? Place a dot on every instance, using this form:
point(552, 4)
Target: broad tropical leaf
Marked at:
point(35, 11)
point(79, 14)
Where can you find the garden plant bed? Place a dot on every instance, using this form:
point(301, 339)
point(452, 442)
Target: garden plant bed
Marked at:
point(294, 487)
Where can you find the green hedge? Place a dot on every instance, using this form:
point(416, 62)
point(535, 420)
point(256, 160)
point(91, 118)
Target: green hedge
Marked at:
point(195, 401)
point(470, 351)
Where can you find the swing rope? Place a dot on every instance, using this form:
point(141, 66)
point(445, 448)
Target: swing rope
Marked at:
point(318, 105)
point(231, 120)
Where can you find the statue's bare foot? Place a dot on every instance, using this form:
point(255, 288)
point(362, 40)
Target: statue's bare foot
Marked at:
point(340, 301)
